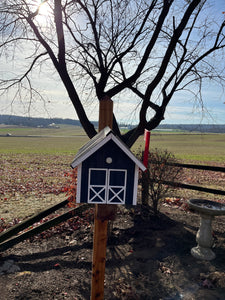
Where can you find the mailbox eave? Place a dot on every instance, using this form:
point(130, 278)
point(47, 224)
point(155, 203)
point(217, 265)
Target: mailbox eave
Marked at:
point(100, 140)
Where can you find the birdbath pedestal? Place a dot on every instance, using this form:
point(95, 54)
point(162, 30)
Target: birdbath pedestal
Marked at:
point(207, 210)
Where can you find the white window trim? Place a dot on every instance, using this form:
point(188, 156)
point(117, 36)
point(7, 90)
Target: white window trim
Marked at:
point(90, 187)
point(121, 187)
point(107, 187)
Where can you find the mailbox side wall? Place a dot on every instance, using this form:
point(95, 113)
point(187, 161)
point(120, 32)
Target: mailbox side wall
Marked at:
point(119, 161)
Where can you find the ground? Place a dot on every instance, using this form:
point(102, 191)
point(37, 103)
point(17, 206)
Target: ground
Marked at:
point(147, 258)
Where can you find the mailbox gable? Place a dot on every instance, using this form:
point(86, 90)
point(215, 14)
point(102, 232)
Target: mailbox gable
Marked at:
point(107, 171)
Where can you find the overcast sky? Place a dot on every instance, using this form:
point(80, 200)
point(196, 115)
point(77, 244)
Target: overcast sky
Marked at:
point(182, 109)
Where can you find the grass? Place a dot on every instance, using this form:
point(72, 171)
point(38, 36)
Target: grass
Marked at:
point(195, 147)
point(29, 131)
point(68, 139)
point(64, 140)
point(41, 145)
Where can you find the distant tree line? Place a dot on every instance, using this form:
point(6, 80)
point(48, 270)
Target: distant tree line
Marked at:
point(43, 122)
point(211, 128)
point(36, 122)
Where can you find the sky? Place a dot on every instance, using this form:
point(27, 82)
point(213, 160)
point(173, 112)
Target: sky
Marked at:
point(182, 110)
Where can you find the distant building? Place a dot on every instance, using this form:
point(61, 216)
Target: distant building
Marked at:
point(53, 125)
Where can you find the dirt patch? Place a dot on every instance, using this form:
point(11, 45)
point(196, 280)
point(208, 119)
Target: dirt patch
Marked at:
point(147, 258)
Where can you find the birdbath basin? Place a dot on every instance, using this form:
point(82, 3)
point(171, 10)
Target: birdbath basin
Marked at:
point(207, 210)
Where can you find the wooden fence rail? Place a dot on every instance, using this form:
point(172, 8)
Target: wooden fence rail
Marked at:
point(77, 211)
point(196, 187)
point(199, 167)
point(30, 221)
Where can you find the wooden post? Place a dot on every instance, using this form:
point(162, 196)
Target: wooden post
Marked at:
point(99, 258)
point(102, 215)
point(105, 113)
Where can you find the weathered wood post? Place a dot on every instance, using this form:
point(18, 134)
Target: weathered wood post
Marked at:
point(103, 213)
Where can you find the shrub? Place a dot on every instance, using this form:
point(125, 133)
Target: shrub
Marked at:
point(158, 171)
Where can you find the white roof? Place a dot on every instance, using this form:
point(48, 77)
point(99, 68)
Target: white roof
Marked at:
point(97, 142)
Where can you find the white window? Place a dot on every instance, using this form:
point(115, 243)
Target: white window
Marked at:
point(107, 186)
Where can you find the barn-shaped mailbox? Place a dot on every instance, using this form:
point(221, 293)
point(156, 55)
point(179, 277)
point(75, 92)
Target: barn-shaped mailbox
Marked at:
point(107, 171)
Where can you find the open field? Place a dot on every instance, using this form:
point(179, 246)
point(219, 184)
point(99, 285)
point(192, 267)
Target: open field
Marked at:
point(195, 147)
point(68, 139)
point(41, 145)
point(63, 130)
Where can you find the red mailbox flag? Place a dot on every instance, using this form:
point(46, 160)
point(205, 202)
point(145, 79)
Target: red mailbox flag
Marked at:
point(147, 142)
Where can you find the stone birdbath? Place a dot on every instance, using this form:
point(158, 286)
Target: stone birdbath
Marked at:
point(207, 210)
